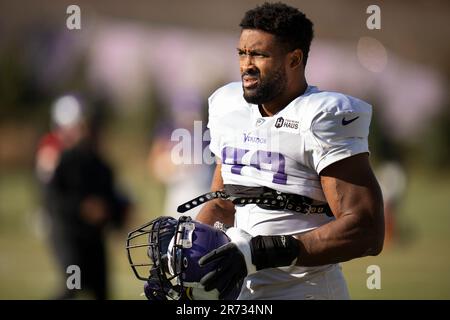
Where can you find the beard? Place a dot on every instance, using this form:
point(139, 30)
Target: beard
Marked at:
point(267, 89)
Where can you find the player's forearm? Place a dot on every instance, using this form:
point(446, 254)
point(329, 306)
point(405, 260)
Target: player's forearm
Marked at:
point(217, 210)
point(344, 239)
point(355, 198)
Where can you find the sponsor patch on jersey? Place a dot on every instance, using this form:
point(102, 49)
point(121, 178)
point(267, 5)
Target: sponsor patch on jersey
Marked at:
point(248, 138)
point(287, 125)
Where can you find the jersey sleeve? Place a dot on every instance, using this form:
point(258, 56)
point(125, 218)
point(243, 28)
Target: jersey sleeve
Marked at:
point(340, 132)
point(223, 102)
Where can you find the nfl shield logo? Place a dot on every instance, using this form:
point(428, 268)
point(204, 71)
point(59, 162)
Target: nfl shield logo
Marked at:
point(279, 122)
point(260, 121)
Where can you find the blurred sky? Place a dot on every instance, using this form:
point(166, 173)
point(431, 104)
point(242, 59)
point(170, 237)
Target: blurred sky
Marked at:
point(180, 46)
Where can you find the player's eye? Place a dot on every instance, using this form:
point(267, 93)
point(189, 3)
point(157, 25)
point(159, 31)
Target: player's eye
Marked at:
point(255, 54)
point(258, 55)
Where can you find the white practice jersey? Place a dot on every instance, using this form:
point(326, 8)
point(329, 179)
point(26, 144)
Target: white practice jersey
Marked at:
point(285, 152)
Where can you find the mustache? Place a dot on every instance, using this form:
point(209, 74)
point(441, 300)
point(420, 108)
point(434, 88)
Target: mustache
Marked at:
point(251, 73)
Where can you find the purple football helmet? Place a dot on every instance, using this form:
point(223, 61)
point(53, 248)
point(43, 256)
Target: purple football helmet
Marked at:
point(171, 249)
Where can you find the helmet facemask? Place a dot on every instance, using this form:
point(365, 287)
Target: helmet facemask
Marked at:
point(147, 249)
point(165, 254)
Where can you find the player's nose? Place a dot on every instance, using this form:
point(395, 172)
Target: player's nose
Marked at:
point(249, 69)
point(246, 62)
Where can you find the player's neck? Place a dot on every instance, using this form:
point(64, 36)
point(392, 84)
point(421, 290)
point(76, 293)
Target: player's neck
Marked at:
point(278, 104)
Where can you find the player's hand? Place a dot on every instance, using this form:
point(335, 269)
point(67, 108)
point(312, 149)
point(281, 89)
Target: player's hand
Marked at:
point(93, 210)
point(235, 263)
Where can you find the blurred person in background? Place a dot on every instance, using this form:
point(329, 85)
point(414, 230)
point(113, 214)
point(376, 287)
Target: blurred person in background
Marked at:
point(183, 110)
point(80, 196)
point(392, 175)
point(393, 179)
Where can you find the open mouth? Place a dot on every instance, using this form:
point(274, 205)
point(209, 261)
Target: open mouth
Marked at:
point(249, 82)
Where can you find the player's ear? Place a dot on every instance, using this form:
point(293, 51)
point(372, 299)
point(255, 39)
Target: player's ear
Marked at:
point(296, 58)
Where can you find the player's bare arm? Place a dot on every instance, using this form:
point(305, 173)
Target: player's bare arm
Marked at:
point(217, 209)
point(355, 199)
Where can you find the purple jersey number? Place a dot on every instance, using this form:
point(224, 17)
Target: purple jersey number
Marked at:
point(256, 159)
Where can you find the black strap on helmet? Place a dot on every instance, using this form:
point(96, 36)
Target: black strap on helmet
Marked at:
point(263, 197)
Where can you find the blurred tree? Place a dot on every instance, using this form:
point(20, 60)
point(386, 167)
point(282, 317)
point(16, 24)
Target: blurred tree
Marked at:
point(433, 147)
point(20, 96)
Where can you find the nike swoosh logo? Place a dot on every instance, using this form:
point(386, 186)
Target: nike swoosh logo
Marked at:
point(346, 122)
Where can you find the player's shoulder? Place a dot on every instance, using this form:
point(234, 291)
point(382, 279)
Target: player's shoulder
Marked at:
point(229, 92)
point(319, 105)
point(336, 102)
point(335, 115)
point(227, 97)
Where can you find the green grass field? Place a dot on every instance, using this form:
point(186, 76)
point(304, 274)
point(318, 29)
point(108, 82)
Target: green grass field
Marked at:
point(415, 267)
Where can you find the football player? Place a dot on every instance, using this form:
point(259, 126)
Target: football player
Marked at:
point(294, 161)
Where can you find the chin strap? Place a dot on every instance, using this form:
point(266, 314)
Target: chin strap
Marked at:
point(201, 200)
point(270, 200)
